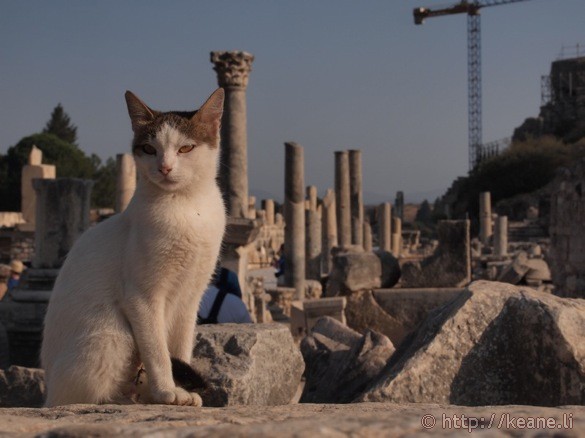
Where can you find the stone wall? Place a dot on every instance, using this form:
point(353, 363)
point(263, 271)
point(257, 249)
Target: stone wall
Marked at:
point(567, 251)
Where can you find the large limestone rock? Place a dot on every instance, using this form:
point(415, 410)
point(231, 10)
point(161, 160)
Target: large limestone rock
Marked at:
point(495, 344)
point(247, 364)
point(341, 362)
point(21, 387)
point(300, 420)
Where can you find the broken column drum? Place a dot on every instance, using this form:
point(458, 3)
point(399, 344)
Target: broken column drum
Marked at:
point(62, 216)
point(342, 201)
point(233, 70)
point(125, 181)
point(294, 210)
point(356, 197)
point(501, 236)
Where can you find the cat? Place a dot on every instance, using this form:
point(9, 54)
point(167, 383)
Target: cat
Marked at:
point(129, 290)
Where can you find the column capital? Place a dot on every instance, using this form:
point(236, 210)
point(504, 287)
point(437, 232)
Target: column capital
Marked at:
point(233, 68)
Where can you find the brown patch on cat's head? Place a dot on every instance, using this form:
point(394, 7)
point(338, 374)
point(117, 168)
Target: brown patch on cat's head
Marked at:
point(202, 125)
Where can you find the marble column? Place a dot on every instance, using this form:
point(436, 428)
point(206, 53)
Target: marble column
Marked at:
point(485, 217)
point(501, 236)
point(329, 232)
point(252, 207)
point(62, 215)
point(396, 240)
point(294, 210)
point(312, 198)
point(356, 197)
point(125, 181)
point(233, 70)
point(367, 236)
point(384, 227)
point(34, 169)
point(268, 205)
point(313, 245)
point(342, 200)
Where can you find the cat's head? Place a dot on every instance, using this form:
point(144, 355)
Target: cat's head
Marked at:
point(175, 150)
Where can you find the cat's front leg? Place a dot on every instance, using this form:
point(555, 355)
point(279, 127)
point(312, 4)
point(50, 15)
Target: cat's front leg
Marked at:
point(146, 317)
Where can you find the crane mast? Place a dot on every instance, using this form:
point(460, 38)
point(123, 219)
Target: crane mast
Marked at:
point(474, 117)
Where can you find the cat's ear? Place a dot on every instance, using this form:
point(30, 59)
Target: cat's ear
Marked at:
point(209, 115)
point(139, 112)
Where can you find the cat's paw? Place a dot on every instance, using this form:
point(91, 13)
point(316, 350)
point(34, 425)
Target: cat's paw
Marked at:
point(177, 396)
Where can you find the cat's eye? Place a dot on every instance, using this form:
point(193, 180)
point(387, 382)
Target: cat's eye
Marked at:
point(148, 149)
point(186, 148)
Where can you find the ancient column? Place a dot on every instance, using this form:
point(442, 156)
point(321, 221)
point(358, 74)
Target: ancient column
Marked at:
point(125, 181)
point(396, 239)
point(233, 69)
point(313, 245)
point(294, 210)
point(268, 206)
point(356, 197)
point(384, 228)
point(501, 236)
point(485, 217)
point(342, 200)
point(62, 215)
point(367, 236)
point(312, 197)
point(329, 233)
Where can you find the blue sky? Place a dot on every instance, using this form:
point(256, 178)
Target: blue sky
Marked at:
point(330, 75)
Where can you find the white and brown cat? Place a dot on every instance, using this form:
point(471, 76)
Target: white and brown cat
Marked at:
point(129, 291)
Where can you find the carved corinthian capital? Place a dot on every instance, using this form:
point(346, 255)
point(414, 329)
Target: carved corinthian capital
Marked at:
point(233, 68)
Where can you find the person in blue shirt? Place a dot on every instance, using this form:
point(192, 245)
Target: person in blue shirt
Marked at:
point(222, 301)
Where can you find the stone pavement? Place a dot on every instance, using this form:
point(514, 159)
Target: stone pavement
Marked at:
point(302, 420)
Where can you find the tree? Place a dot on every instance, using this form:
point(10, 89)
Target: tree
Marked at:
point(424, 213)
point(104, 189)
point(69, 159)
point(60, 125)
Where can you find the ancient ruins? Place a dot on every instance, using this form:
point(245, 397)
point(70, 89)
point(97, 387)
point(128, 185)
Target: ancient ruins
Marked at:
point(368, 309)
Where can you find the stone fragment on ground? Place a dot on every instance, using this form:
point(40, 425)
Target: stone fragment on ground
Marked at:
point(300, 420)
point(353, 270)
point(340, 362)
point(495, 344)
point(247, 364)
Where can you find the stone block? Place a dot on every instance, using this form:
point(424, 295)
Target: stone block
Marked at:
point(247, 364)
point(450, 265)
point(353, 271)
point(495, 344)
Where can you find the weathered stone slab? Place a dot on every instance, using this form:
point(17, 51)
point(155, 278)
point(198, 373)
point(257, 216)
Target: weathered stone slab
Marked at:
point(305, 314)
point(21, 387)
point(247, 364)
point(495, 344)
point(340, 362)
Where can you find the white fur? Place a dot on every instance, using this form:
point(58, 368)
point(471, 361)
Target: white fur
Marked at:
point(130, 288)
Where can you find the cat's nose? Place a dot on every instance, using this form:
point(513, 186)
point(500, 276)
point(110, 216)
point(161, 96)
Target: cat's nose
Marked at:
point(165, 170)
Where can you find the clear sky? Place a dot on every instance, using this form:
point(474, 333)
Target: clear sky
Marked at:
point(328, 74)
